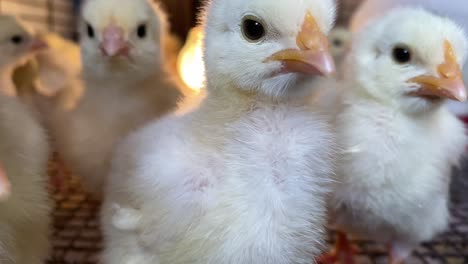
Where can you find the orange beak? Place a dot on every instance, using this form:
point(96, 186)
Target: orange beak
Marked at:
point(312, 56)
point(113, 42)
point(5, 186)
point(448, 85)
point(37, 44)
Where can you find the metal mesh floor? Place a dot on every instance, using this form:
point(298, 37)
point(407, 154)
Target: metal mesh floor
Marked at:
point(77, 239)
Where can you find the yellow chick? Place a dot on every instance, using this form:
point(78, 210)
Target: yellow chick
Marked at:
point(18, 45)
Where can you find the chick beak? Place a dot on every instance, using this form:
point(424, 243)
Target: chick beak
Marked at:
point(312, 56)
point(113, 42)
point(448, 85)
point(37, 44)
point(5, 186)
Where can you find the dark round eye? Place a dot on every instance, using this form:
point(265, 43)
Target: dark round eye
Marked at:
point(90, 31)
point(252, 29)
point(141, 31)
point(401, 54)
point(17, 39)
point(337, 42)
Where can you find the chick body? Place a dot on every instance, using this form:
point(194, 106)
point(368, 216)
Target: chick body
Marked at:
point(399, 143)
point(241, 178)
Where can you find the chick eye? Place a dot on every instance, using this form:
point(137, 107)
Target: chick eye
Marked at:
point(17, 39)
point(401, 54)
point(337, 42)
point(253, 29)
point(141, 31)
point(90, 31)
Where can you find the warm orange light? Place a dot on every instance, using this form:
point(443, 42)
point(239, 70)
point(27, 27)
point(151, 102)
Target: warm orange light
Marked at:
point(190, 62)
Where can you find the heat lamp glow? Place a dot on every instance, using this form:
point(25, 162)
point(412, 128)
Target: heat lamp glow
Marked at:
point(190, 62)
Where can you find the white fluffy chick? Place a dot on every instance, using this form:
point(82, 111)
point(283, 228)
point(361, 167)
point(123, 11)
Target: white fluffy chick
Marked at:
point(400, 142)
point(126, 85)
point(17, 45)
point(242, 178)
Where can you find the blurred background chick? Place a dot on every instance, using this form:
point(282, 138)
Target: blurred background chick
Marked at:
point(18, 45)
point(24, 151)
point(126, 84)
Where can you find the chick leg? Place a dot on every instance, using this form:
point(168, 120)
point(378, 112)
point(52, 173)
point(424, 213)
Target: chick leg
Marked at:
point(120, 226)
point(398, 252)
point(342, 253)
point(125, 219)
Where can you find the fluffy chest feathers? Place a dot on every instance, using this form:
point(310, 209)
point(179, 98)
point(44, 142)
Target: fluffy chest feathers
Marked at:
point(387, 146)
point(86, 136)
point(261, 194)
point(277, 146)
point(107, 114)
point(395, 171)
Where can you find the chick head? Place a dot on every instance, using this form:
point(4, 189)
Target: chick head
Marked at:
point(119, 37)
point(411, 59)
point(267, 47)
point(16, 42)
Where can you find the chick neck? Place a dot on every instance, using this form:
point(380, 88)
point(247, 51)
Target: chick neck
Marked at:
point(227, 104)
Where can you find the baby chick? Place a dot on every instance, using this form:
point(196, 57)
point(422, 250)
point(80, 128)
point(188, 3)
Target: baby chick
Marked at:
point(126, 85)
point(400, 142)
point(17, 45)
point(243, 177)
point(51, 79)
point(59, 73)
point(23, 157)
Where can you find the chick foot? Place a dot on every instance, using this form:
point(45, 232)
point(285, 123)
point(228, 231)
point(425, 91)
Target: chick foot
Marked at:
point(342, 253)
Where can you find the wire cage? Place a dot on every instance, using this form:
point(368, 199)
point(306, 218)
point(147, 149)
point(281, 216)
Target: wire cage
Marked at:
point(77, 238)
